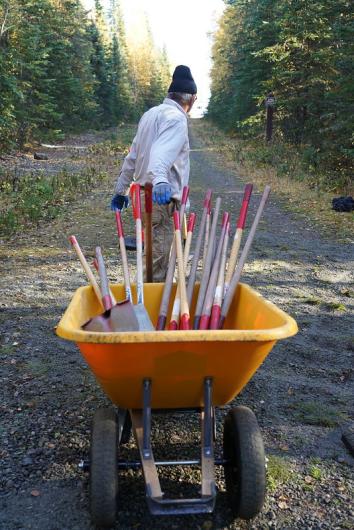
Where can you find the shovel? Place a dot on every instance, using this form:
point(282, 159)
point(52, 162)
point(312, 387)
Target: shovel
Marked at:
point(238, 271)
point(174, 322)
point(142, 315)
point(207, 266)
point(118, 317)
point(238, 235)
point(148, 232)
point(161, 322)
point(210, 292)
point(184, 309)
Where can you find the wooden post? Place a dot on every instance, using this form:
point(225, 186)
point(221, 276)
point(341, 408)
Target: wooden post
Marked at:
point(269, 104)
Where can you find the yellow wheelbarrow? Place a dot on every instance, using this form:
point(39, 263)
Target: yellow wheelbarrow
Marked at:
point(145, 372)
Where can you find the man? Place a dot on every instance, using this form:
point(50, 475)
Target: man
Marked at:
point(160, 154)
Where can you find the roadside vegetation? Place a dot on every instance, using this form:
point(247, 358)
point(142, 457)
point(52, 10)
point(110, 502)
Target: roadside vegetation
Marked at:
point(299, 53)
point(301, 190)
point(33, 195)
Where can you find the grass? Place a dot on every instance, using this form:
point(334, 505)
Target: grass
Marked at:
point(37, 368)
point(278, 472)
point(315, 472)
point(316, 413)
point(336, 306)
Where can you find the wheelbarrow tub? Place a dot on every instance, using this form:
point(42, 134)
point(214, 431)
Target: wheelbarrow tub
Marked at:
point(177, 362)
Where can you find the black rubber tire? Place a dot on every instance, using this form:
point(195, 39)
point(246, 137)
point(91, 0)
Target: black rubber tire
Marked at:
point(245, 475)
point(104, 468)
point(127, 429)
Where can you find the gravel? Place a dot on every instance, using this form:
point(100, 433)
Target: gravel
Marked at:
point(302, 395)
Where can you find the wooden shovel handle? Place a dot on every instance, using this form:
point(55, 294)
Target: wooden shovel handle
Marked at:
point(237, 274)
point(207, 265)
point(136, 201)
point(219, 291)
point(198, 246)
point(148, 232)
point(106, 298)
point(185, 323)
point(86, 268)
point(244, 207)
point(238, 234)
point(123, 253)
point(161, 322)
point(210, 292)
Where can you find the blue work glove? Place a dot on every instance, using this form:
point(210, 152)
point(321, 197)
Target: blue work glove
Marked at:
point(119, 202)
point(161, 193)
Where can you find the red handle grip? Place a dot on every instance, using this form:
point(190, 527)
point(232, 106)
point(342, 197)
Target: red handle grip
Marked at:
point(148, 197)
point(248, 192)
point(243, 212)
point(225, 219)
point(207, 199)
point(191, 222)
point(136, 201)
point(185, 194)
point(119, 224)
point(176, 220)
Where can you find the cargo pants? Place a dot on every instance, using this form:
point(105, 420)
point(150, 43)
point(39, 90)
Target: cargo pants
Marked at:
point(162, 237)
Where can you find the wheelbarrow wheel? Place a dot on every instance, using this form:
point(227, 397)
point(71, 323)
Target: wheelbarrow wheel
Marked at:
point(125, 425)
point(104, 467)
point(245, 462)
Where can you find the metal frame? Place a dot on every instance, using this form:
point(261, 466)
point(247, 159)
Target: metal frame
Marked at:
point(158, 505)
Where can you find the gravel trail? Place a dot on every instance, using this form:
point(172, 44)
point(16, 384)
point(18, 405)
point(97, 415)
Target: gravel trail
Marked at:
point(303, 394)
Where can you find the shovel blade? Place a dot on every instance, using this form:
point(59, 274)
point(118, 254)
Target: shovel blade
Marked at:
point(123, 317)
point(120, 318)
point(143, 318)
point(100, 324)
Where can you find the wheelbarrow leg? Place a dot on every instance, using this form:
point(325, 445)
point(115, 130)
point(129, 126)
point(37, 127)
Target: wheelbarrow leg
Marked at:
point(158, 505)
point(207, 417)
point(141, 422)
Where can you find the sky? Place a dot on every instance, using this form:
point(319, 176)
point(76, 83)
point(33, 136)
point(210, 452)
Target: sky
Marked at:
point(182, 27)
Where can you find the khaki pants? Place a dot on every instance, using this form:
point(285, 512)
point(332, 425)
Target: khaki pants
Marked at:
point(162, 237)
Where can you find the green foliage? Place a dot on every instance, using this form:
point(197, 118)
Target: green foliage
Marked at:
point(302, 51)
point(31, 198)
point(62, 70)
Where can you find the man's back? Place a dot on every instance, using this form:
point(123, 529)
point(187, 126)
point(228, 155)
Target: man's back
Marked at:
point(159, 152)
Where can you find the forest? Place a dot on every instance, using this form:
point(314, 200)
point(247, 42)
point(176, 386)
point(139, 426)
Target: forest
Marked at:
point(301, 52)
point(64, 69)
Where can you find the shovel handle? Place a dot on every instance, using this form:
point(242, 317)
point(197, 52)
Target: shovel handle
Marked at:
point(123, 253)
point(106, 297)
point(136, 201)
point(95, 264)
point(148, 197)
point(237, 274)
point(245, 202)
point(198, 246)
point(210, 292)
point(86, 268)
point(207, 266)
point(218, 297)
point(184, 310)
point(161, 322)
point(148, 232)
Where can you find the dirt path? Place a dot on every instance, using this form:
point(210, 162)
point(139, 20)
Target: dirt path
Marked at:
point(303, 394)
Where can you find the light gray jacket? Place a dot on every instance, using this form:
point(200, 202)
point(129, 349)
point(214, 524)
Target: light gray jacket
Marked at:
point(160, 150)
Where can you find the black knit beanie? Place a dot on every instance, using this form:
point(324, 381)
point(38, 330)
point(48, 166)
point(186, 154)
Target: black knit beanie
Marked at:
point(182, 81)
